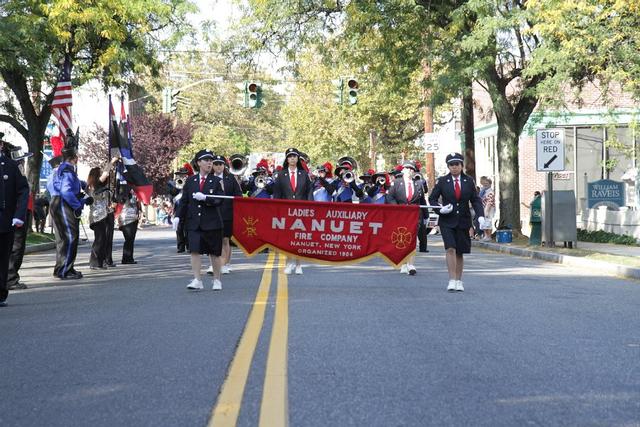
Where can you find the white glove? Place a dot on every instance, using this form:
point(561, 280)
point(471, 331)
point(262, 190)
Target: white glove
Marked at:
point(481, 221)
point(446, 209)
point(17, 222)
point(174, 223)
point(199, 196)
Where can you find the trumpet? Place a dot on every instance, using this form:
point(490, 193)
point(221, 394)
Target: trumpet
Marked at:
point(418, 177)
point(261, 181)
point(180, 182)
point(381, 180)
point(238, 164)
point(348, 177)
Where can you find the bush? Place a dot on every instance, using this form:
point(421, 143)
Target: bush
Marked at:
point(602, 236)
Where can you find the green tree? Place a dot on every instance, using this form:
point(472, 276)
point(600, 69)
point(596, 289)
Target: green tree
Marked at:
point(110, 40)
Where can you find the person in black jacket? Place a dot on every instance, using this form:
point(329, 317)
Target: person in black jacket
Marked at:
point(14, 194)
point(231, 187)
point(407, 191)
point(202, 218)
point(293, 183)
point(456, 191)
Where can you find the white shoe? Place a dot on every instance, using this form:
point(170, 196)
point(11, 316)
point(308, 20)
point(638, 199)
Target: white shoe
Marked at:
point(298, 269)
point(225, 269)
point(453, 284)
point(411, 270)
point(459, 286)
point(404, 269)
point(289, 269)
point(217, 285)
point(196, 285)
point(210, 270)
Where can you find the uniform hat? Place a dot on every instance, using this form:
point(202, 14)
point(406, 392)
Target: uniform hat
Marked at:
point(454, 157)
point(368, 174)
point(343, 166)
point(219, 159)
point(204, 154)
point(17, 153)
point(409, 164)
point(291, 151)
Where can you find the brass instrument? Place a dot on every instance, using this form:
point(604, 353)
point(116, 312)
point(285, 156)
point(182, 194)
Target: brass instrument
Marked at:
point(418, 177)
point(348, 177)
point(180, 182)
point(349, 160)
point(381, 180)
point(261, 181)
point(238, 164)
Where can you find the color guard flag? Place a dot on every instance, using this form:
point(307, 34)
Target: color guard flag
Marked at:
point(62, 99)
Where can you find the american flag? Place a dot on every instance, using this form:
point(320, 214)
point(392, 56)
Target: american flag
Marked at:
point(62, 100)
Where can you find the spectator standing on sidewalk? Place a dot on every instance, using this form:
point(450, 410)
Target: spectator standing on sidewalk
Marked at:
point(489, 205)
point(14, 194)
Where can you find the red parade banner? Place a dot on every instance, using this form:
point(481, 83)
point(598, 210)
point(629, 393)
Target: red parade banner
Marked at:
point(329, 232)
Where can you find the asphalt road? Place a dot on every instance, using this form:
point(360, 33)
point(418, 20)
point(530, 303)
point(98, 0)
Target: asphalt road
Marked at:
point(528, 343)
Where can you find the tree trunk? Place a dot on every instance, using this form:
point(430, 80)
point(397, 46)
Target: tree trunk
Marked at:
point(508, 137)
point(469, 136)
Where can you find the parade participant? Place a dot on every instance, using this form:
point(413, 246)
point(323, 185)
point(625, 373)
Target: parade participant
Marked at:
point(175, 190)
point(456, 191)
point(323, 188)
point(202, 219)
point(260, 184)
point(67, 202)
point(423, 230)
point(367, 186)
point(292, 183)
point(98, 212)
point(381, 183)
point(231, 187)
point(20, 233)
point(406, 191)
point(14, 195)
point(128, 218)
point(40, 212)
point(345, 184)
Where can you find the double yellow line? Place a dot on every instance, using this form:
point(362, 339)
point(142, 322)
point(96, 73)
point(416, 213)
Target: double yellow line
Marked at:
point(274, 410)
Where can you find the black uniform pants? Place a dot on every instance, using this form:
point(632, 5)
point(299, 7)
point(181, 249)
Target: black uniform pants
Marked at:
point(99, 247)
point(109, 246)
point(6, 242)
point(181, 237)
point(129, 232)
point(17, 252)
point(67, 230)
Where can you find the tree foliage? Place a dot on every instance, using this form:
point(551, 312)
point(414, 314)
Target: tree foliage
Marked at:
point(106, 39)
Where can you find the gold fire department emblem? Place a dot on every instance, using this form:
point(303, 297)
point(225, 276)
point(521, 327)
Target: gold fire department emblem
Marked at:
point(401, 237)
point(250, 226)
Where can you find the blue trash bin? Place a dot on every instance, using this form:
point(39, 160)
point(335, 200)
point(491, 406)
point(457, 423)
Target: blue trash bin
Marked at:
point(504, 236)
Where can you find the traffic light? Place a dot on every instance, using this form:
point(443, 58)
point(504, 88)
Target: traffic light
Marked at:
point(253, 95)
point(352, 90)
point(338, 86)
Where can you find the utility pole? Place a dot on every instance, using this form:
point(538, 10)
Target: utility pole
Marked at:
point(372, 148)
point(430, 167)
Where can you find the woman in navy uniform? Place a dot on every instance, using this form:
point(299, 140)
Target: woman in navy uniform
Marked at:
point(14, 194)
point(202, 218)
point(407, 191)
point(293, 183)
point(456, 191)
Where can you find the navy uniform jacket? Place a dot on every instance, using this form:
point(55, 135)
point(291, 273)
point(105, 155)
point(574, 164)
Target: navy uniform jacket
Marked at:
point(231, 188)
point(203, 215)
point(460, 217)
point(397, 194)
point(282, 186)
point(14, 193)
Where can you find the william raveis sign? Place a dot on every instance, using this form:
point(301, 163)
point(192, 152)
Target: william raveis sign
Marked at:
point(605, 193)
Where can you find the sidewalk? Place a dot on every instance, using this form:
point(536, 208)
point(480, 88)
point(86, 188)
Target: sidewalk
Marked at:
point(610, 268)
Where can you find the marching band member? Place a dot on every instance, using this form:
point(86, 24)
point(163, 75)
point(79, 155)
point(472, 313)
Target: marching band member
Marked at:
point(260, 184)
point(128, 224)
point(345, 184)
point(406, 191)
point(202, 218)
point(381, 183)
point(98, 189)
point(175, 189)
point(423, 230)
point(292, 183)
point(367, 186)
point(322, 184)
point(456, 191)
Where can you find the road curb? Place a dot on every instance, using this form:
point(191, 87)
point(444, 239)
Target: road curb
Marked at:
point(39, 247)
point(601, 267)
